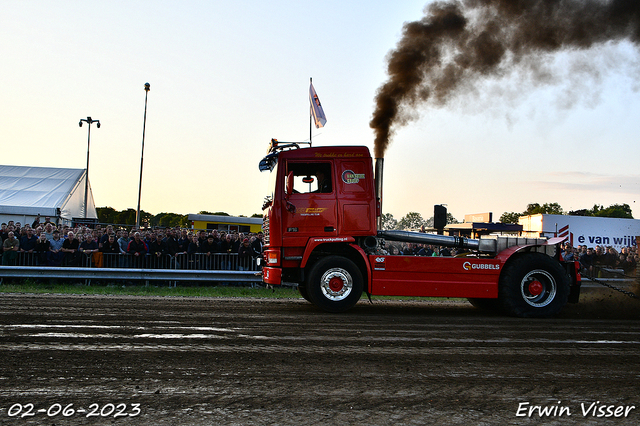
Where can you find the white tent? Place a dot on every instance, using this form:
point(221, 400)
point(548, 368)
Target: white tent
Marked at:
point(26, 192)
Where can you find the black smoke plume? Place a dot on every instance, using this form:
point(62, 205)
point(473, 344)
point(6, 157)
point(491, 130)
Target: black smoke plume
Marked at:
point(461, 42)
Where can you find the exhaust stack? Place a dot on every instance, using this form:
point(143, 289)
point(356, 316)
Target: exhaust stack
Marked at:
point(378, 181)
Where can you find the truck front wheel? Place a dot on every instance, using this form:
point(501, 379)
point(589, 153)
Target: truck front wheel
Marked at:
point(533, 285)
point(303, 292)
point(334, 284)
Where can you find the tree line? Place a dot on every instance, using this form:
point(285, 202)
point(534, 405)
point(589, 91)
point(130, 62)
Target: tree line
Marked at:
point(128, 217)
point(166, 220)
point(411, 221)
point(414, 220)
point(622, 211)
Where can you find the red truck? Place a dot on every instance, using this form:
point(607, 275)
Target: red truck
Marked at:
point(321, 232)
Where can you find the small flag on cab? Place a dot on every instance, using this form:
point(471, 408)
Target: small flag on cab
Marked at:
point(316, 107)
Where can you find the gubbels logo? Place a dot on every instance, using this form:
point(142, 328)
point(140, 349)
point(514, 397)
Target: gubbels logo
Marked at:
point(468, 266)
point(349, 176)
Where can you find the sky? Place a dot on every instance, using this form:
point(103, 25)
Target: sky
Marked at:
point(226, 77)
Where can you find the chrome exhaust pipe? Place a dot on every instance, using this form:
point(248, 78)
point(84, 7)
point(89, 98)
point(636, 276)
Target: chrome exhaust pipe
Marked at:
point(378, 182)
point(441, 240)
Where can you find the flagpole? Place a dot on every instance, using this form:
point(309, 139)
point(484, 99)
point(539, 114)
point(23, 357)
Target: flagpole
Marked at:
point(317, 113)
point(310, 116)
point(310, 128)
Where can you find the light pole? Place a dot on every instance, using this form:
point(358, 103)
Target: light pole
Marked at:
point(89, 121)
point(147, 87)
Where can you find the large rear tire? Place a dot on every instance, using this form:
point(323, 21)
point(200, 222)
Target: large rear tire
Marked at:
point(533, 285)
point(334, 284)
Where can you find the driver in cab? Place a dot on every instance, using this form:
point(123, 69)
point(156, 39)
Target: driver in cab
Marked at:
point(324, 183)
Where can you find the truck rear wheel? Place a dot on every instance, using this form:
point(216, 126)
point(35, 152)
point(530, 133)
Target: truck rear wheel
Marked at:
point(334, 284)
point(533, 285)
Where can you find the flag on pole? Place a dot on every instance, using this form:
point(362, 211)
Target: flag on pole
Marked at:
point(316, 108)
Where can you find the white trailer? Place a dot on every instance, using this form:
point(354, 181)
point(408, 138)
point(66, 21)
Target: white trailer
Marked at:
point(583, 230)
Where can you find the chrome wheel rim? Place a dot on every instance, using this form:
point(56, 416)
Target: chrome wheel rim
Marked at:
point(336, 284)
point(538, 288)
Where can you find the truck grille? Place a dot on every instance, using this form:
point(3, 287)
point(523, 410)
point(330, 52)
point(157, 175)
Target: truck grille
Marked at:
point(265, 228)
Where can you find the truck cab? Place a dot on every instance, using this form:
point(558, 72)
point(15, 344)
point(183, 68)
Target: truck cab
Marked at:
point(320, 197)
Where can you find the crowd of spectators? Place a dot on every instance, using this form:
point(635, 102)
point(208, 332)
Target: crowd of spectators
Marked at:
point(46, 244)
point(415, 249)
point(602, 261)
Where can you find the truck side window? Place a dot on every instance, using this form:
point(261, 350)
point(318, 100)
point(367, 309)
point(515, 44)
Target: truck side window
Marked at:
point(311, 177)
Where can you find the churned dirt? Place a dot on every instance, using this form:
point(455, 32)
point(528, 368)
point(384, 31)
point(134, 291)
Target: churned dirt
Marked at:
point(206, 361)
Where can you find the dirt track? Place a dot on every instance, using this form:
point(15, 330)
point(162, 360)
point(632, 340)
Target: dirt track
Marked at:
point(253, 362)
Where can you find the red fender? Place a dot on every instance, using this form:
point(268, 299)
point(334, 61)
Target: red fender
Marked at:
point(315, 242)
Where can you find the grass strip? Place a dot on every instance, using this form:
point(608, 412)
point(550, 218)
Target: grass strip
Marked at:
point(30, 286)
point(50, 287)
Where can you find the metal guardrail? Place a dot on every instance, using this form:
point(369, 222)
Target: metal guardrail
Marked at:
point(218, 261)
point(225, 268)
point(194, 267)
point(587, 282)
point(606, 275)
